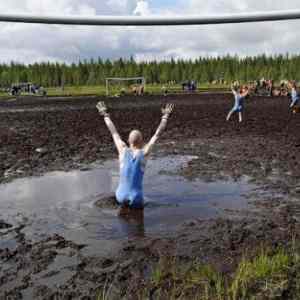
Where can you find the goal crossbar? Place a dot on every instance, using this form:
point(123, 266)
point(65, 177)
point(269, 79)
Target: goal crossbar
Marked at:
point(152, 20)
point(125, 78)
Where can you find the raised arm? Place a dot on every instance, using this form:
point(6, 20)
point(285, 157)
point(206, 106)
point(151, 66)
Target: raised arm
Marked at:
point(233, 89)
point(120, 145)
point(166, 112)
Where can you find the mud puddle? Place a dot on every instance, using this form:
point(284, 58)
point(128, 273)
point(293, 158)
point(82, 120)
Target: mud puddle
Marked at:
point(64, 203)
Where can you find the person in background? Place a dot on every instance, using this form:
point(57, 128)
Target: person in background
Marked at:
point(294, 96)
point(132, 159)
point(239, 97)
point(164, 90)
point(270, 87)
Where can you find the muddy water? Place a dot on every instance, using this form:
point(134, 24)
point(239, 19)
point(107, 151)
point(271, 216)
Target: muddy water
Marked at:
point(64, 203)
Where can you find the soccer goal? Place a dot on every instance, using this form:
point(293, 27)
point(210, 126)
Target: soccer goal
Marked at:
point(125, 85)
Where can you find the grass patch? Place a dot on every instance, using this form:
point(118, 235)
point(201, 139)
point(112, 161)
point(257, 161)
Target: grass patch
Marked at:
point(76, 91)
point(100, 90)
point(268, 275)
point(3, 95)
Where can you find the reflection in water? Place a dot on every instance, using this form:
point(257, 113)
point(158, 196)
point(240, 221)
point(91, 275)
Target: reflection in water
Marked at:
point(133, 222)
point(63, 202)
point(56, 187)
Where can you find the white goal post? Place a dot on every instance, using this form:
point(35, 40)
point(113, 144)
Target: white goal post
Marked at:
point(152, 20)
point(137, 80)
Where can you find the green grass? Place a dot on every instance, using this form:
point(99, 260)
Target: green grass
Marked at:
point(105, 294)
point(265, 275)
point(2, 95)
point(268, 275)
point(100, 90)
point(76, 91)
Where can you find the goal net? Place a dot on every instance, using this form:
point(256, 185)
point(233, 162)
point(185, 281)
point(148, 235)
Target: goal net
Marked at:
point(117, 86)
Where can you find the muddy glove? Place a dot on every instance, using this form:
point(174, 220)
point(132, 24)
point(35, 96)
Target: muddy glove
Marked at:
point(167, 111)
point(102, 109)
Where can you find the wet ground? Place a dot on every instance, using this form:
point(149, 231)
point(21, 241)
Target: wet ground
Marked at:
point(214, 190)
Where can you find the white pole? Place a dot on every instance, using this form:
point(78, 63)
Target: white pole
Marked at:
point(152, 20)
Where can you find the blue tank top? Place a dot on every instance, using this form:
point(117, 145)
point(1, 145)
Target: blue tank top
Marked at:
point(294, 95)
point(239, 100)
point(130, 187)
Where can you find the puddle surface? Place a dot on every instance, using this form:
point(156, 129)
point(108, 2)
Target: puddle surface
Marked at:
point(63, 203)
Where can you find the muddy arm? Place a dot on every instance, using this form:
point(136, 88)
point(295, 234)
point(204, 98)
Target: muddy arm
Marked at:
point(233, 90)
point(120, 145)
point(155, 137)
point(163, 124)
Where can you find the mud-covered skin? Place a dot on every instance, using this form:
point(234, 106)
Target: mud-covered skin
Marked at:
point(71, 134)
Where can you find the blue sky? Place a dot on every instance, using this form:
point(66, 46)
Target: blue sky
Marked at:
point(29, 43)
point(165, 3)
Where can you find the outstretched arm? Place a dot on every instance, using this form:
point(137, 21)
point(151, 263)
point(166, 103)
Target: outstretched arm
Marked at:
point(163, 124)
point(120, 145)
point(233, 89)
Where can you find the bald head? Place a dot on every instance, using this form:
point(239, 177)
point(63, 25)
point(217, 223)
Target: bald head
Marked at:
point(135, 138)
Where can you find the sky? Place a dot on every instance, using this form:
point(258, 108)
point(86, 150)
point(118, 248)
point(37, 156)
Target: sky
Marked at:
point(28, 43)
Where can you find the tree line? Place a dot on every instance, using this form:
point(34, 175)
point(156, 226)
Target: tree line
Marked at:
point(203, 69)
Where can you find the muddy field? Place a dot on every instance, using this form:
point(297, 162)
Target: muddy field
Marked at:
point(42, 135)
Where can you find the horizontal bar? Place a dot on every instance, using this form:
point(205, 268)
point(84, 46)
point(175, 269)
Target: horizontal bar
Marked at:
point(151, 20)
point(124, 78)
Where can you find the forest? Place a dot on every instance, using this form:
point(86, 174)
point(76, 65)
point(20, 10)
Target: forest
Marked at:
point(203, 69)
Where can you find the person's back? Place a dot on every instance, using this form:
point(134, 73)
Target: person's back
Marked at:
point(130, 188)
point(294, 94)
point(238, 100)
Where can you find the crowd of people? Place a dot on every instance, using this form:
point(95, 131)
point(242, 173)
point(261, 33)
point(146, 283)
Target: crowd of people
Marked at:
point(266, 87)
point(241, 92)
point(27, 87)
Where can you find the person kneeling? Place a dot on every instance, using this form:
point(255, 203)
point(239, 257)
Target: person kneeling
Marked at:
point(132, 159)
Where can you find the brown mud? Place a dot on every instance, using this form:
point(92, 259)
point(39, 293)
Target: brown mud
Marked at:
point(40, 135)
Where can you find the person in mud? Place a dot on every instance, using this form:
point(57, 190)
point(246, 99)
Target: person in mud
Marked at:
point(270, 87)
point(239, 95)
point(294, 96)
point(164, 90)
point(129, 193)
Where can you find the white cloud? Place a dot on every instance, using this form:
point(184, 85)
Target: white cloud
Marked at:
point(86, 10)
point(57, 7)
point(121, 6)
point(142, 8)
point(29, 43)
